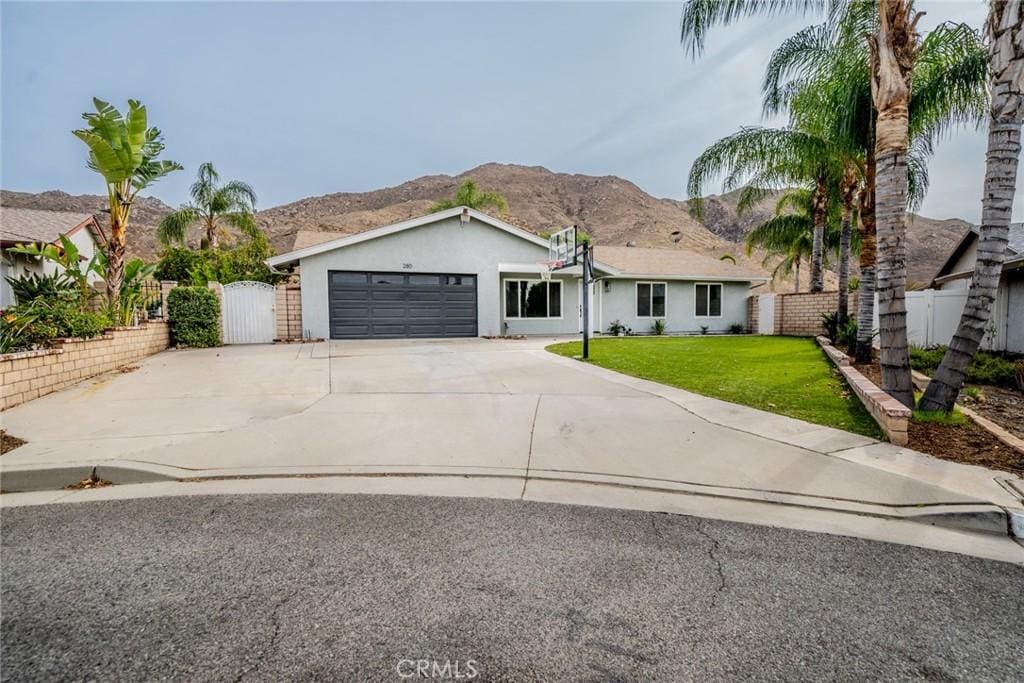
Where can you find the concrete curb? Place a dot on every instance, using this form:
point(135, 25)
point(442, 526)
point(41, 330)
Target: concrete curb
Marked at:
point(976, 517)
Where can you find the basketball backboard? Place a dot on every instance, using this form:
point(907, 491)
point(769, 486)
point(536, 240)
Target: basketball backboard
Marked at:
point(562, 247)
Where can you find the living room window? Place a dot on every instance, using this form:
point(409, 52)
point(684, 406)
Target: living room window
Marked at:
point(650, 299)
point(709, 300)
point(533, 299)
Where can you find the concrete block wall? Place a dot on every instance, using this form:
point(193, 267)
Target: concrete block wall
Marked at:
point(288, 309)
point(798, 314)
point(30, 374)
point(753, 313)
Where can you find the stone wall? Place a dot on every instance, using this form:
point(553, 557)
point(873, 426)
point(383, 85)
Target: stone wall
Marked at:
point(31, 374)
point(288, 308)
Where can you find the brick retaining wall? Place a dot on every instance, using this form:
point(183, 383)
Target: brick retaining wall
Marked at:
point(288, 309)
point(31, 374)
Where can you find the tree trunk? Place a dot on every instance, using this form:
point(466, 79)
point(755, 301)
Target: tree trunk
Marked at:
point(848, 195)
point(211, 233)
point(893, 49)
point(1006, 70)
point(868, 255)
point(115, 258)
point(820, 210)
point(796, 278)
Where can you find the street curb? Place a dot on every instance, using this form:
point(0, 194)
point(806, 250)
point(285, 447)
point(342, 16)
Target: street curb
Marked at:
point(981, 517)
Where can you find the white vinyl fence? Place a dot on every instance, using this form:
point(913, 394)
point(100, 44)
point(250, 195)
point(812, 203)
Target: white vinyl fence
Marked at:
point(932, 317)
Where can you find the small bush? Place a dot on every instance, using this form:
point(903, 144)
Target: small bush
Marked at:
point(41, 320)
point(618, 327)
point(830, 323)
point(736, 328)
point(986, 368)
point(658, 327)
point(194, 313)
point(704, 329)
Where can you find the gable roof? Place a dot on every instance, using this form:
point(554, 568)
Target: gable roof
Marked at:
point(34, 226)
point(1014, 247)
point(309, 238)
point(672, 263)
point(348, 240)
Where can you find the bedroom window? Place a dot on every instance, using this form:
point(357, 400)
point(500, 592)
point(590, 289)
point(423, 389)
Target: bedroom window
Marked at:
point(650, 299)
point(709, 300)
point(533, 299)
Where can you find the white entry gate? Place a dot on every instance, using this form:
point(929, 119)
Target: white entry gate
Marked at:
point(248, 313)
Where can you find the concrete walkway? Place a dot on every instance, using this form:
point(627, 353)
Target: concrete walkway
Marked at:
point(505, 414)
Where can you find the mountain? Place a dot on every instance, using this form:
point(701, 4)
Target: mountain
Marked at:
point(614, 211)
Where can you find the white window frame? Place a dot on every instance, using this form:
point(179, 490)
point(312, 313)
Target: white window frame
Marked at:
point(721, 298)
point(636, 300)
point(504, 299)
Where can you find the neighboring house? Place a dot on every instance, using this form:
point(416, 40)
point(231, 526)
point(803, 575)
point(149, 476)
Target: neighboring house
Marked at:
point(1008, 312)
point(33, 226)
point(462, 273)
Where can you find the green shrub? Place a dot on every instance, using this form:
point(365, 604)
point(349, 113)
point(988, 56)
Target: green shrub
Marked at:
point(658, 326)
point(194, 313)
point(704, 329)
point(986, 368)
point(34, 285)
point(176, 263)
point(736, 328)
point(43, 319)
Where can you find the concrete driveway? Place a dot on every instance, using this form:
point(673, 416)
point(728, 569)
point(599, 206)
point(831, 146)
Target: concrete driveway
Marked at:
point(514, 419)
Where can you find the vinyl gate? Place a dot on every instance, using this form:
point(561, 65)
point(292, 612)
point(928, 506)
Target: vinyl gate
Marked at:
point(248, 313)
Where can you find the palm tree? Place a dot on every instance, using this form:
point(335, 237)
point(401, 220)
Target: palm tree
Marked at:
point(124, 150)
point(822, 77)
point(470, 195)
point(1006, 68)
point(233, 203)
point(767, 158)
point(790, 232)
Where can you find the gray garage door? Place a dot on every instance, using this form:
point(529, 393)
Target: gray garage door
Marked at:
point(390, 305)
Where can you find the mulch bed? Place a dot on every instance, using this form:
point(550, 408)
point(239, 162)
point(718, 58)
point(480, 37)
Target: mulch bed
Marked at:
point(8, 442)
point(966, 443)
point(1005, 407)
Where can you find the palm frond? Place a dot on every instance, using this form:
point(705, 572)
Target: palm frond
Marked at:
point(173, 229)
point(700, 16)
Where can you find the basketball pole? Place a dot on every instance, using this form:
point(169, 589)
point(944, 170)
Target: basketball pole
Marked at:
point(586, 301)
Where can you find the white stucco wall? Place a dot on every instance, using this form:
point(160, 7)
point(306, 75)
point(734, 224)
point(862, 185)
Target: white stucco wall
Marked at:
point(619, 303)
point(443, 247)
point(568, 323)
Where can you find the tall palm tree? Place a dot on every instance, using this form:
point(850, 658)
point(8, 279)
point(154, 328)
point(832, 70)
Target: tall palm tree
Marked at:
point(790, 232)
point(233, 203)
point(124, 150)
point(1005, 36)
point(821, 77)
point(894, 47)
point(779, 158)
point(469, 194)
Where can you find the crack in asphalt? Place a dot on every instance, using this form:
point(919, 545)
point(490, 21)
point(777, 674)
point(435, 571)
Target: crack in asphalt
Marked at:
point(275, 633)
point(712, 550)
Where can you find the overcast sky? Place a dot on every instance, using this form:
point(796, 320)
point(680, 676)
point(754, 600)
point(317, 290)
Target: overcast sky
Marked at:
point(304, 99)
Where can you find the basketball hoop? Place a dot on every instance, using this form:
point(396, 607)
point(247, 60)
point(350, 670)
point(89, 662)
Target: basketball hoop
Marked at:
point(547, 266)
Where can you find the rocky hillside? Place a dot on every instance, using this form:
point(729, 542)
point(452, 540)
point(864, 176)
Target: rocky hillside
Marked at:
point(613, 210)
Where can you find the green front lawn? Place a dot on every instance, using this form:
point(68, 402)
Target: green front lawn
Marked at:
point(783, 375)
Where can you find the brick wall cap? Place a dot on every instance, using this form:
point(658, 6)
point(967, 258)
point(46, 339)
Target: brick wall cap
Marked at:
point(34, 353)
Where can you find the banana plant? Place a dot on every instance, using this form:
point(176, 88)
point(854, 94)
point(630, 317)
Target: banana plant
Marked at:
point(123, 148)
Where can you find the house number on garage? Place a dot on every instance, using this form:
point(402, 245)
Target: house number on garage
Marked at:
point(407, 266)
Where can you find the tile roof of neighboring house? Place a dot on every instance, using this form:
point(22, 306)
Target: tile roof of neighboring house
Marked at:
point(1014, 249)
point(35, 225)
point(308, 238)
point(670, 262)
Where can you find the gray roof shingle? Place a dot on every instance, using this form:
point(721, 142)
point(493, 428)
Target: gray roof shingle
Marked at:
point(35, 225)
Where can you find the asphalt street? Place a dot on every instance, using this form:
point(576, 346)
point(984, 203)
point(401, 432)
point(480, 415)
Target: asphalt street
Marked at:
point(402, 588)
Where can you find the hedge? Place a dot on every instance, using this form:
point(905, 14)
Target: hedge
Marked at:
point(194, 313)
